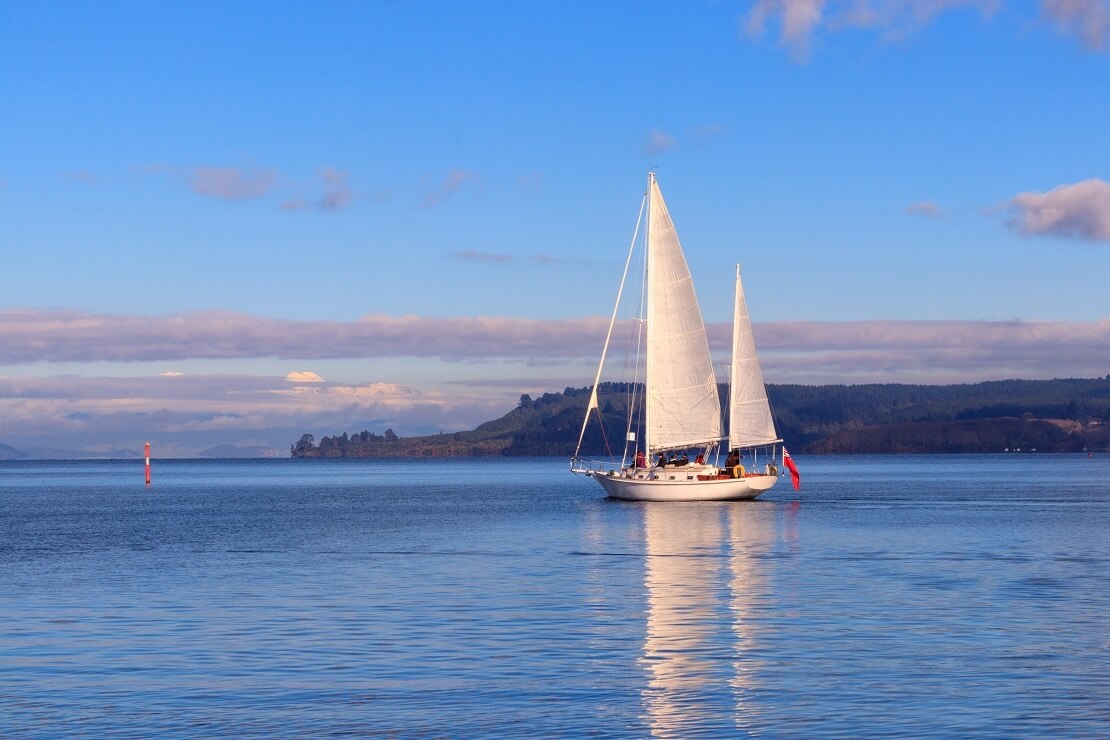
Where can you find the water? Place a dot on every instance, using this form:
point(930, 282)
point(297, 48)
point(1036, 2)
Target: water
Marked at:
point(892, 596)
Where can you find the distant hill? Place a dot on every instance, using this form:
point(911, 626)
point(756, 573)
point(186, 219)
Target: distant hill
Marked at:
point(49, 453)
point(1049, 415)
point(227, 451)
point(52, 453)
point(548, 425)
point(10, 453)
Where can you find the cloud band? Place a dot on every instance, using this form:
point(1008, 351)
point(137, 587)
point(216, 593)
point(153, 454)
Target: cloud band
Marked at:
point(1030, 348)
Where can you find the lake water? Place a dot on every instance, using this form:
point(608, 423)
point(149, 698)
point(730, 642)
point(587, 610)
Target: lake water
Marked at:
point(895, 595)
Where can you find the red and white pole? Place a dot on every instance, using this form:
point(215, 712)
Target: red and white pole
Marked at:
point(147, 463)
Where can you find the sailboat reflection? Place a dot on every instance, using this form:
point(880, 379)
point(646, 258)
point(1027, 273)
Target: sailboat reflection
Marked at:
point(704, 583)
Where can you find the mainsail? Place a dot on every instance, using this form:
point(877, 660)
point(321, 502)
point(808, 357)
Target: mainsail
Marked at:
point(683, 407)
point(750, 421)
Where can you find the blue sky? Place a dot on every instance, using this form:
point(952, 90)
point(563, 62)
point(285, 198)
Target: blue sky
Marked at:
point(249, 182)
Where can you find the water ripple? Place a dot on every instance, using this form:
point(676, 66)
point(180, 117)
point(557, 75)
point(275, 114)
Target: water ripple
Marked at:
point(277, 599)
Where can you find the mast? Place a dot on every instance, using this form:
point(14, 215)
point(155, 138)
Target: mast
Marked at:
point(647, 313)
point(739, 306)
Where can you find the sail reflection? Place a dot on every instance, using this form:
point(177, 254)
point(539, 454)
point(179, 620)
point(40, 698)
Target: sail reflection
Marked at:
point(704, 582)
point(751, 533)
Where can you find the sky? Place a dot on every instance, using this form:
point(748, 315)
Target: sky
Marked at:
point(234, 223)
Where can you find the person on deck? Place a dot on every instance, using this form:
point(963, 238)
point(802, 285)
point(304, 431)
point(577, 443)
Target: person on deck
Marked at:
point(733, 459)
point(640, 463)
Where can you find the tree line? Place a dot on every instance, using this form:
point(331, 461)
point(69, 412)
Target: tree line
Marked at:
point(1051, 415)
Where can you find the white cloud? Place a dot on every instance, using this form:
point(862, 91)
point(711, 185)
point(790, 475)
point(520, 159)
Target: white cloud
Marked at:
point(801, 21)
point(1080, 210)
point(303, 376)
point(1087, 19)
point(531, 182)
point(658, 142)
point(798, 20)
point(31, 335)
point(28, 336)
point(709, 131)
point(925, 208)
point(928, 351)
point(232, 183)
point(337, 195)
point(451, 184)
point(197, 410)
point(476, 255)
point(81, 177)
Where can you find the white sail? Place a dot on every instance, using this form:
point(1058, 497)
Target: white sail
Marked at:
point(750, 421)
point(683, 407)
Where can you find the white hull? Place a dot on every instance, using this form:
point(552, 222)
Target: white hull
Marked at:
point(664, 489)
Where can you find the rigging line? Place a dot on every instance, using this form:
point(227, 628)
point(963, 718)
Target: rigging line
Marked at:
point(637, 392)
point(604, 437)
point(641, 345)
point(612, 321)
point(630, 383)
point(771, 409)
point(631, 391)
point(636, 410)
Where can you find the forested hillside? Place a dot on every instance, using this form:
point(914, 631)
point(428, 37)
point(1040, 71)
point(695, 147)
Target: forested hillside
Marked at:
point(1048, 415)
point(979, 417)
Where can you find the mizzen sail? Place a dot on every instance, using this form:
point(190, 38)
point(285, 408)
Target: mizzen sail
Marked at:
point(750, 421)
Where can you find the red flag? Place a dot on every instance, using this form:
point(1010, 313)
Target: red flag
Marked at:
point(789, 463)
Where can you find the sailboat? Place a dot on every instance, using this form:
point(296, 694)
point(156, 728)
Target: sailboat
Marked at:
point(673, 441)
